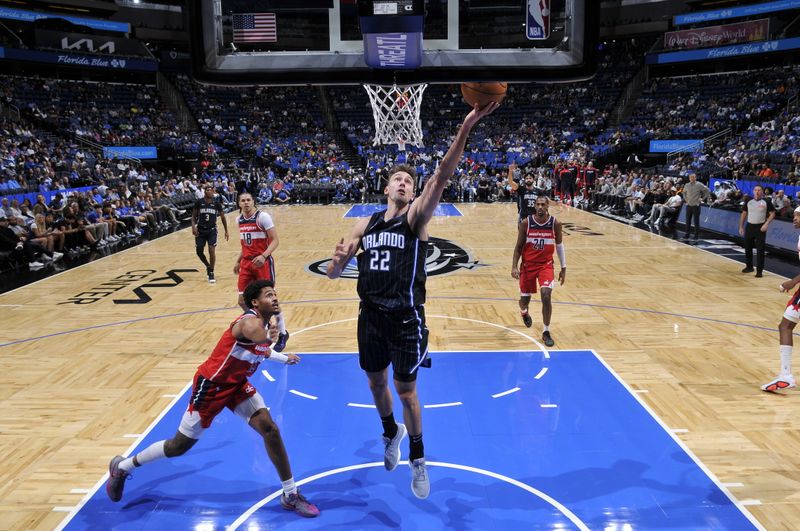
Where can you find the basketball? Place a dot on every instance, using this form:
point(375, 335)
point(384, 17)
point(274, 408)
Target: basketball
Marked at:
point(483, 93)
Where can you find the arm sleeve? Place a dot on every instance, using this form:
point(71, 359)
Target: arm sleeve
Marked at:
point(562, 255)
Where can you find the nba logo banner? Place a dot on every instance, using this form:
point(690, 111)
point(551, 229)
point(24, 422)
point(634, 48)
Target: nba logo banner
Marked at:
point(537, 25)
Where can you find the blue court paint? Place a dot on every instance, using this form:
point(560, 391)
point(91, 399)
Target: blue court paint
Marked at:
point(364, 211)
point(598, 454)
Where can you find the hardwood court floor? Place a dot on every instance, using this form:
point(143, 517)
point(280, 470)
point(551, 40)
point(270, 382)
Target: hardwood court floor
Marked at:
point(79, 379)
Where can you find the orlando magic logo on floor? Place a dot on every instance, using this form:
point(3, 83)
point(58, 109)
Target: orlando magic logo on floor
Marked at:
point(444, 257)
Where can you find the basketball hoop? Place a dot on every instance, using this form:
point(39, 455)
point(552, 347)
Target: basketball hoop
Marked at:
point(396, 110)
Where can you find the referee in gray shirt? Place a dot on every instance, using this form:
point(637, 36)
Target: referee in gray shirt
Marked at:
point(758, 213)
point(693, 193)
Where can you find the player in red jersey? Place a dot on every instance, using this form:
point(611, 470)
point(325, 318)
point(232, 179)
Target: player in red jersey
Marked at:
point(255, 262)
point(791, 316)
point(538, 236)
point(220, 382)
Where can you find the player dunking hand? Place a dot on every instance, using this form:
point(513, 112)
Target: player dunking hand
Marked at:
point(391, 285)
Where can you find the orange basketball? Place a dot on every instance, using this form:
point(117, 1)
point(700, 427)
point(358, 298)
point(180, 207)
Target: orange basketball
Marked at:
point(483, 93)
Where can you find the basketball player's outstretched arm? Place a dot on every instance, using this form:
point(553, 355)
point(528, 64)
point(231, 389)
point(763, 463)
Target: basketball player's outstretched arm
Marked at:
point(423, 207)
point(345, 250)
point(511, 183)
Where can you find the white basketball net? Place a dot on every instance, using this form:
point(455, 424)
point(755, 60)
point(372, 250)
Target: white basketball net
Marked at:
point(396, 111)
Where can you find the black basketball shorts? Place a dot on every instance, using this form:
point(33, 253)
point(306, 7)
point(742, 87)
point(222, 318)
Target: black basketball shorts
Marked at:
point(206, 236)
point(396, 337)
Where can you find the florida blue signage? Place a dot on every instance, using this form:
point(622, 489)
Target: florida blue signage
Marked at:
point(668, 146)
point(133, 152)
point(724, 52)
point(71, 59)
point(735, 12)
point(29, 16)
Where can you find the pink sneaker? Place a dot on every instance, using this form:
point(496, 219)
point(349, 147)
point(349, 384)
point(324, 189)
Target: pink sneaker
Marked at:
point(782, 382)
point(298, 503)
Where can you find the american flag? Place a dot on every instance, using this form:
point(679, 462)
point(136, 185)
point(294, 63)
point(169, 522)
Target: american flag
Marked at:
point(255, 27)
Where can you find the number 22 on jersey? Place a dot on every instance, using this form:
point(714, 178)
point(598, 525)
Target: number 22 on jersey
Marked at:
point(379, 260)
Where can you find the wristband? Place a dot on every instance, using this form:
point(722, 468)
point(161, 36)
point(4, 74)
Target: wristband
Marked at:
point(278, 357)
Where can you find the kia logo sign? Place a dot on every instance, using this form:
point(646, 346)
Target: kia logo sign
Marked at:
point(88, 45)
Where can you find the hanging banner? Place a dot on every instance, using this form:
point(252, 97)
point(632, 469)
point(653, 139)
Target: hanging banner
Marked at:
point(393, 42)
point(750, 31)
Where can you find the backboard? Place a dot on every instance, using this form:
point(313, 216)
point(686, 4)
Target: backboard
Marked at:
point(321, 41)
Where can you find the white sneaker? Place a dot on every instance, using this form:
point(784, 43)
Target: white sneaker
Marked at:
point(35, 265)
point(783, 381)
point(420, 482)
point(57, 256)
point(391, 453)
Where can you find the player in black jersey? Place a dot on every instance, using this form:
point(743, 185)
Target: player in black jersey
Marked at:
point(391, 285)
point(526, 194)
point(526, 198)
point(204, 228)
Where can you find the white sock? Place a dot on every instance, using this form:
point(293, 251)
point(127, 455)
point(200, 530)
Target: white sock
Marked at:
point(289, 487)
point(127, 465)
point(786, 359)
point(280, 322)
point(152, 453)
point(546, 328)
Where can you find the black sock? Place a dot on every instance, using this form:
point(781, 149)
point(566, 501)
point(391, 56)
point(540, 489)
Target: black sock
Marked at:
point(417, 449)
point(389, 426)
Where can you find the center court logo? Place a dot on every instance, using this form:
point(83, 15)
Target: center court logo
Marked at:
point(444, 257)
